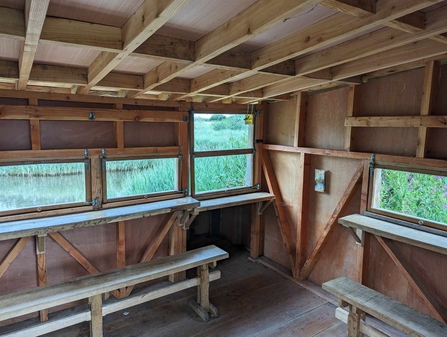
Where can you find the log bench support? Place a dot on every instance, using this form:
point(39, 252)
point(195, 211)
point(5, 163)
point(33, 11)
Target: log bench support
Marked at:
point(362, 300)
point(202, 306)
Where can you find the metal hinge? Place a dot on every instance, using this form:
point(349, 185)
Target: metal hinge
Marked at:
point(185, 191)
point(372, 164)
point(103, 153)
point(256, 187)
point(258, 112)
point(259, 141)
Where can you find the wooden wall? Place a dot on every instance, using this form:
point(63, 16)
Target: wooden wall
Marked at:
point(394, 95)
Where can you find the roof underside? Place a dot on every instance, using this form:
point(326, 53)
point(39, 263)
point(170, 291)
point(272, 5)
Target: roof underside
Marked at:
point(232, 51)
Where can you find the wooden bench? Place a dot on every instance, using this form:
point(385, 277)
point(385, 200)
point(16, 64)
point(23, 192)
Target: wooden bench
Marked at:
point(361, 300)
point(92, 287)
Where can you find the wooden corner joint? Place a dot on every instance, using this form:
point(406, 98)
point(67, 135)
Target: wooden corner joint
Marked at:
point(186, 219)
point(358, 235)
point(262, 206)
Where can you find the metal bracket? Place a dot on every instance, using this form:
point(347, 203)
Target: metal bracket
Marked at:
point(103, 153)
point(358, 235)
point(258, 112)
point(256, 187)
point(92, 116)
point(85, 154)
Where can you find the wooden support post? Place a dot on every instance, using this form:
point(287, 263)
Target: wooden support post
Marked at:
point(177, 245)
point(353, 108)
point(121, 251)
point(34, 128)
point(12, 254)
point(119, 129)
point(41, 269)
point(300, 119)
point(96, 180)
point(95, 304)
point(302, 218)
point(354, 317)
point(255, 231)
point(328, 229)
point(204, 287)
point(429, 92)
point(437, 307)
point(363, 249)
point(284, 225)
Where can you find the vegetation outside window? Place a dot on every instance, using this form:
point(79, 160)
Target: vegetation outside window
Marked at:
point(415, 197)
point(43, 186)
point(140, 177)
point(222, 153)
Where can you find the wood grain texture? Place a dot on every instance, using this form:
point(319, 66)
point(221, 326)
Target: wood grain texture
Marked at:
point(12, 254)
point(394, 313)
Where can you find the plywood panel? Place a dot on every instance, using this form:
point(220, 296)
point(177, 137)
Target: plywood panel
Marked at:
point(437, 139)
point(63, 55)
point(274, 247)
point(9, 48)
point(325, 119)
point(69, 104)
point(322, 205)
point(15, 135)
point(394, 95)
point(149, 134)
point(76, 135)
point(137, 65)
point(280, 123)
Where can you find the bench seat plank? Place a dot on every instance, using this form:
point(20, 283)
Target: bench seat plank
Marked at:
point(35, 299)
point(236, 200)
point(30, 227)
point(387, 310)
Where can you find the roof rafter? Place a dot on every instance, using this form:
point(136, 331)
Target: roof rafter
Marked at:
point(35, 13)
point(249, 23)
point(148, 18)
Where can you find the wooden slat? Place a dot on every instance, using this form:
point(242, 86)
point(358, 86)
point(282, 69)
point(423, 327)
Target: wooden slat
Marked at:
point(328, 229)
point(177, 245)
point(255, 231)
point(353, 108)
point(283, 222)
point(359, 8)
point(429, 94)
point(398, 121)
point(436, 307)
point(41, 269)
point(236, 200)
point(303, 188)
point(76, 254)
point(149, 17)
point(399, 233)
point(35, 13)
point(12, 254)
point(17, 229)
point(35, 133)
point(82, 114)
point(391, 312)
point(300, 119)
point(31, 300)
point(159, 235)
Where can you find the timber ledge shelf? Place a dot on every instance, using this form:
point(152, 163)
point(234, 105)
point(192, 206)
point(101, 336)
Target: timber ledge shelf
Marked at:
point(41, 226)
point(395, 232)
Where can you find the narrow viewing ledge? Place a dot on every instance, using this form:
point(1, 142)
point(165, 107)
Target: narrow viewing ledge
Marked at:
point(236, 200)
point(30, 227)
point(395, 232)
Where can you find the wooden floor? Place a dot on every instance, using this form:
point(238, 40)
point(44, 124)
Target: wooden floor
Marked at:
point(252, 299)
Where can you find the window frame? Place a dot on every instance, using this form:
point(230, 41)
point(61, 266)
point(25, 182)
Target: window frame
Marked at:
point(396, 217)
point(54, 207)
point(147, 197)
point(221, 153)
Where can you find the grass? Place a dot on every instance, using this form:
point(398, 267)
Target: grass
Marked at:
point(415, 194)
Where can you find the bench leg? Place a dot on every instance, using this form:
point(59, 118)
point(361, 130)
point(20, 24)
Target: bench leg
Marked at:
point(203, 307)
point(95, 304)
point(354, 322)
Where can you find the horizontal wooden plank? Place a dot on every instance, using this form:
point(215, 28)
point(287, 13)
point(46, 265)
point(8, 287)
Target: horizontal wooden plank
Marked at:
point(391, 231)
point(31, 227)
point(222, 153)
point(317, 152)
point(387, 310)
point(31, 300)
point(398, 121)
point(236, 200)
point(26, 156)
point(85, 114)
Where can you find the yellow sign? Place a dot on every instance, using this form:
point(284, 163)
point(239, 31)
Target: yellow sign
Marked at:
point(249, 119)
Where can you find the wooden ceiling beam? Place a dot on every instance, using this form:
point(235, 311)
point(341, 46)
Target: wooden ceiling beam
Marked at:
point(408, 53)
point(332, 30)
point(35, 13)
point(369, 44)
point(148, 18)
point(358, 8)
point(249, 23)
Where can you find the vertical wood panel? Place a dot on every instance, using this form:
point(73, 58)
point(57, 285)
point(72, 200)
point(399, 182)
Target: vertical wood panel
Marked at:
point(300, 120)
point(303, 210)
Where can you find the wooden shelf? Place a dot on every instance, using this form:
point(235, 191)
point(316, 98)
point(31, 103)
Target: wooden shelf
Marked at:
point(30, 227)
point(391, 231)
point(237, 200)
